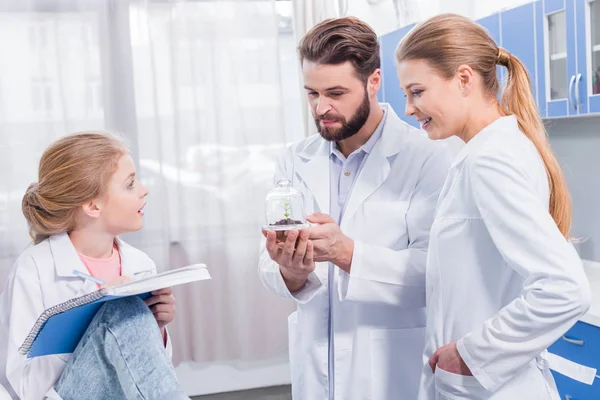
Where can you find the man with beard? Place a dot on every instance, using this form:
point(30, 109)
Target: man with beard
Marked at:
point(358, 273)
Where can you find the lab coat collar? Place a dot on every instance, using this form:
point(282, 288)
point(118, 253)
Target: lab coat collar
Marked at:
point(313, 170)
point(66, 258)
point(368, 146)
point(377, 165)
point(313, 167)
point(472, 146)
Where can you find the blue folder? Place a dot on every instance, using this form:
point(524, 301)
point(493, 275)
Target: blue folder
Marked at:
point(61, 332)
point(60, 328)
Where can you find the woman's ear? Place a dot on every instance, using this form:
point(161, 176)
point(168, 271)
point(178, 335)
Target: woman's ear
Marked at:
point(465, 77)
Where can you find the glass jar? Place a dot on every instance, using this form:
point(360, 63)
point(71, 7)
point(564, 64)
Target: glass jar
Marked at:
point(284, 209)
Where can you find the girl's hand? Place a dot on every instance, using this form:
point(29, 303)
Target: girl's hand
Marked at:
point(162, 305)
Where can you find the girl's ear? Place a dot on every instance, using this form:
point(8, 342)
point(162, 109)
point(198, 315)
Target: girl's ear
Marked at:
point(91, 209)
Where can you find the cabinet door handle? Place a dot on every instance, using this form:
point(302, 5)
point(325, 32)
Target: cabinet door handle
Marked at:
point(577, 103)
point(571, 83)
point(573, 341)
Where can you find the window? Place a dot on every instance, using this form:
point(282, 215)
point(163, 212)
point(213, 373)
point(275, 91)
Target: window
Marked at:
point(557, 61)
point(38, 35)
point(89, 34)
point(41, 95)
point(93, 95)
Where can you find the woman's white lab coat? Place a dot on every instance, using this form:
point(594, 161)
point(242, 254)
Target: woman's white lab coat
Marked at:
point(502, 280)
point(42, 277)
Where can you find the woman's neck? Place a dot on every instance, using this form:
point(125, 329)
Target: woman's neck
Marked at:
point(483, 116)
point(92, 243)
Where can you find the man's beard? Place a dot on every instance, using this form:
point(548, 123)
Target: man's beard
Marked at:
point(348, 129)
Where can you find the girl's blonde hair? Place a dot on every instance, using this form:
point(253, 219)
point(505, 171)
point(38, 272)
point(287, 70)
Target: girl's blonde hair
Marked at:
point(72, 171)
point(448, 41)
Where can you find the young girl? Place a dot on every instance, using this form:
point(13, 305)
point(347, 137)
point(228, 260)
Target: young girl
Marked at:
point(86, 196)
point(503, 282)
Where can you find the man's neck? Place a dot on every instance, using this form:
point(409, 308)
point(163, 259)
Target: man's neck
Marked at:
point(348, 146)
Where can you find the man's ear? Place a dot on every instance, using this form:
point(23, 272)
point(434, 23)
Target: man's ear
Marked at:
point(374, 82)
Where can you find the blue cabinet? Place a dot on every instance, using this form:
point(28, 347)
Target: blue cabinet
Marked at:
point(572, 390)
point(581, 344)
point(588, 26)
point(391, 91)
point(517, 30)
point(557, 40)
point(569, 67)
point(492, 25)
point(540, 58)
point(380, 96)
point(557, 63)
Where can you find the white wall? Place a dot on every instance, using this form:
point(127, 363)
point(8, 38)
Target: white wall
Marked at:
point(576, 143)
point(381, 16)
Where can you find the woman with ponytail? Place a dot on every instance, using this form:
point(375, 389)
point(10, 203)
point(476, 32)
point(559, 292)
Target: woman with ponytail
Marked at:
point(503, 281)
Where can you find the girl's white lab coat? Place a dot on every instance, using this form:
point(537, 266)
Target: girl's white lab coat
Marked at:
point(502, 281)
point(378, 309)
point(42, 277)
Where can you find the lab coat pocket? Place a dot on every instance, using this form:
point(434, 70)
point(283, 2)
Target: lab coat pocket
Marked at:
point(396, 358)
point(296, 357)
point(450, 386)
point(384, 222)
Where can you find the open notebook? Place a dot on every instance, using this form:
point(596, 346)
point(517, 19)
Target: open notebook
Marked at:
point(59, 328)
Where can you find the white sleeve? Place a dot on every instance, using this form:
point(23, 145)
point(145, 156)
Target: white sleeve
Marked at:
point(555, 292)
point(29, 378)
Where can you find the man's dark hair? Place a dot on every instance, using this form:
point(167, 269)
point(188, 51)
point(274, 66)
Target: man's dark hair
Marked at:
point(337, 40)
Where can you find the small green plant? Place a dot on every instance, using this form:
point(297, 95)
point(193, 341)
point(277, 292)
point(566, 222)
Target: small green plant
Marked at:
point(286, 209)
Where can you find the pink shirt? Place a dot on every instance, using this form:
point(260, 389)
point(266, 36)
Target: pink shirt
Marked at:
point(107, 269)
point(103, 268)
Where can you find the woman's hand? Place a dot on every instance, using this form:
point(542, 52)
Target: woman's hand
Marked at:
point(448, 359)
